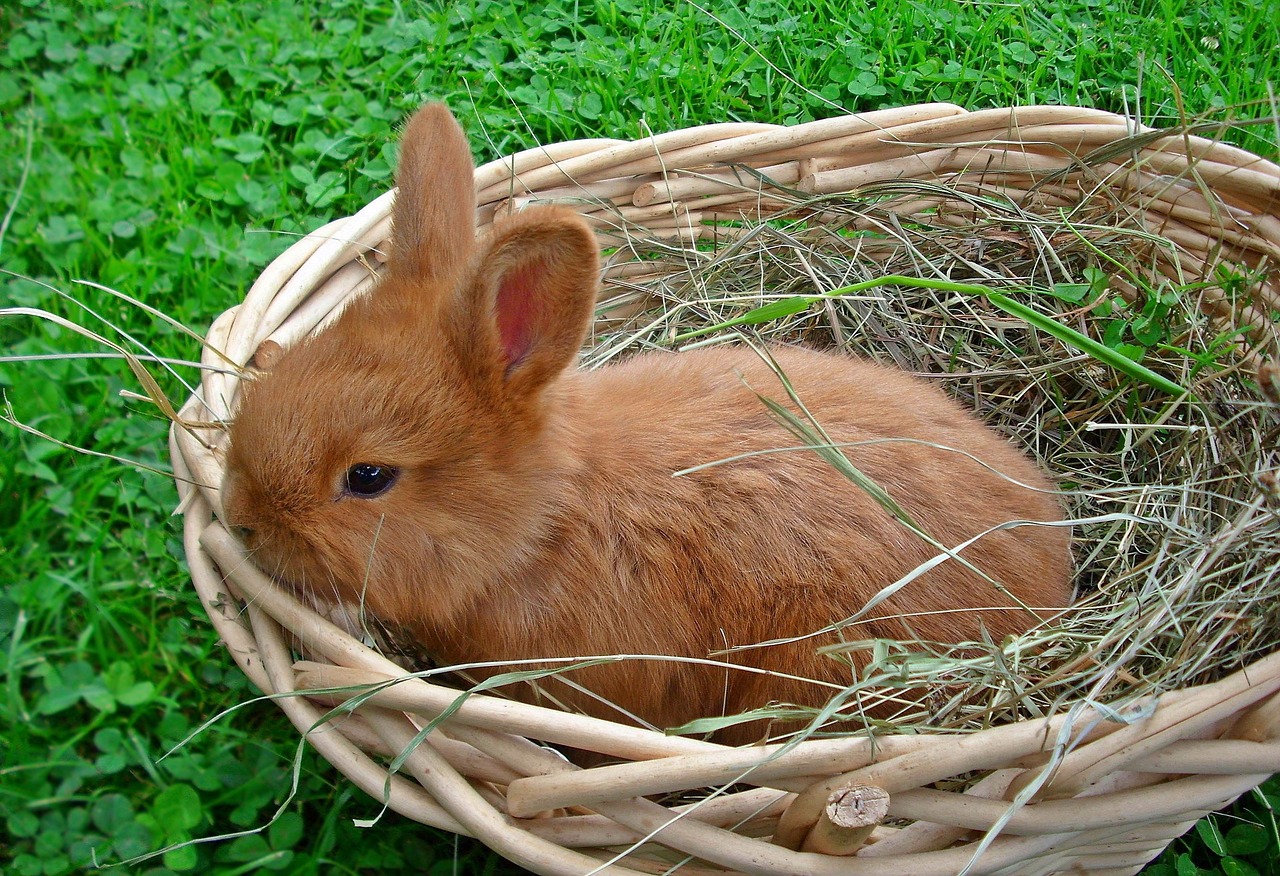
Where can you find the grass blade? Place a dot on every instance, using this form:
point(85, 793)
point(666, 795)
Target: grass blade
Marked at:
point(1032, 317)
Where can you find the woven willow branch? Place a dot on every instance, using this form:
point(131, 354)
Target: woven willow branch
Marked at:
point(1098, 796)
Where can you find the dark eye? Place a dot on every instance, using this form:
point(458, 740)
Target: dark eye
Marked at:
point(366, 480)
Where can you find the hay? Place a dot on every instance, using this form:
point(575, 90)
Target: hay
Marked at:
point(1180, 574)
point(1045, 754)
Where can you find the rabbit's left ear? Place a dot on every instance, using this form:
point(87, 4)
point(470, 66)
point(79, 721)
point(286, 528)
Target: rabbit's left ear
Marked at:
point(434, 216)
point(525, 313)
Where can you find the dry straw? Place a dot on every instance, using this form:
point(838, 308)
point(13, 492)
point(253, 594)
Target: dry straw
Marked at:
point(1086, 745)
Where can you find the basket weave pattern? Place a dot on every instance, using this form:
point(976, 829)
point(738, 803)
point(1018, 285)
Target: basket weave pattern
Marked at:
point(1068, 793)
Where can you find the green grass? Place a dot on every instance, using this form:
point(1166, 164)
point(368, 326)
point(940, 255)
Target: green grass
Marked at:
point(175, 148)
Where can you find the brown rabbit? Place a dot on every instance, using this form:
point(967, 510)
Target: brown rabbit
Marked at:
point(434, 456)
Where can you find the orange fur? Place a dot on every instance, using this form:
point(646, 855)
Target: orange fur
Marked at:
point(536, 515)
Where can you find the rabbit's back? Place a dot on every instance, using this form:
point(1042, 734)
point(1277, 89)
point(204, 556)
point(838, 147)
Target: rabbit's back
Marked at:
point(694, 524)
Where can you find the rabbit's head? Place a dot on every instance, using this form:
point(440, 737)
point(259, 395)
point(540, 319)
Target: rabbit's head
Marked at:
point(409, 453)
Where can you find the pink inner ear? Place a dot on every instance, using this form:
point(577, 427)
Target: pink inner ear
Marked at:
point(517, 308)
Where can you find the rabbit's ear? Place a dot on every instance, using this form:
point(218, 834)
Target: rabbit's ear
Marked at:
point(526, 312)
point(434, 217)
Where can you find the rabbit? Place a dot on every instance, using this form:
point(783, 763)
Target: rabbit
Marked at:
point(435, 456)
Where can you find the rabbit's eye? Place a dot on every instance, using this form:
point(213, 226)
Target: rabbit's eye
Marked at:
point(366, 480)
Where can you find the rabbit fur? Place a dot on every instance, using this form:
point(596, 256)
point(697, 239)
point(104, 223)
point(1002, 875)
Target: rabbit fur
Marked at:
point(533, 512)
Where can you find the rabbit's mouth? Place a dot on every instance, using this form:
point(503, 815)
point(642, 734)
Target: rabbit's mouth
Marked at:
point(333, 601)
point(293, 565)
point(391, 641)
point(351, 617)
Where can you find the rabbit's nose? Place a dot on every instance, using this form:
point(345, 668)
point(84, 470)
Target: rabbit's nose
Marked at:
point(243, 533)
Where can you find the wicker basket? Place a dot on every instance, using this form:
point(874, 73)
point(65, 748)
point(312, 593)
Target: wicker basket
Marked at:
point(1070, 793)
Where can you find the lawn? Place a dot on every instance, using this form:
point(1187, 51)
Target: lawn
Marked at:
point(170, 150)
